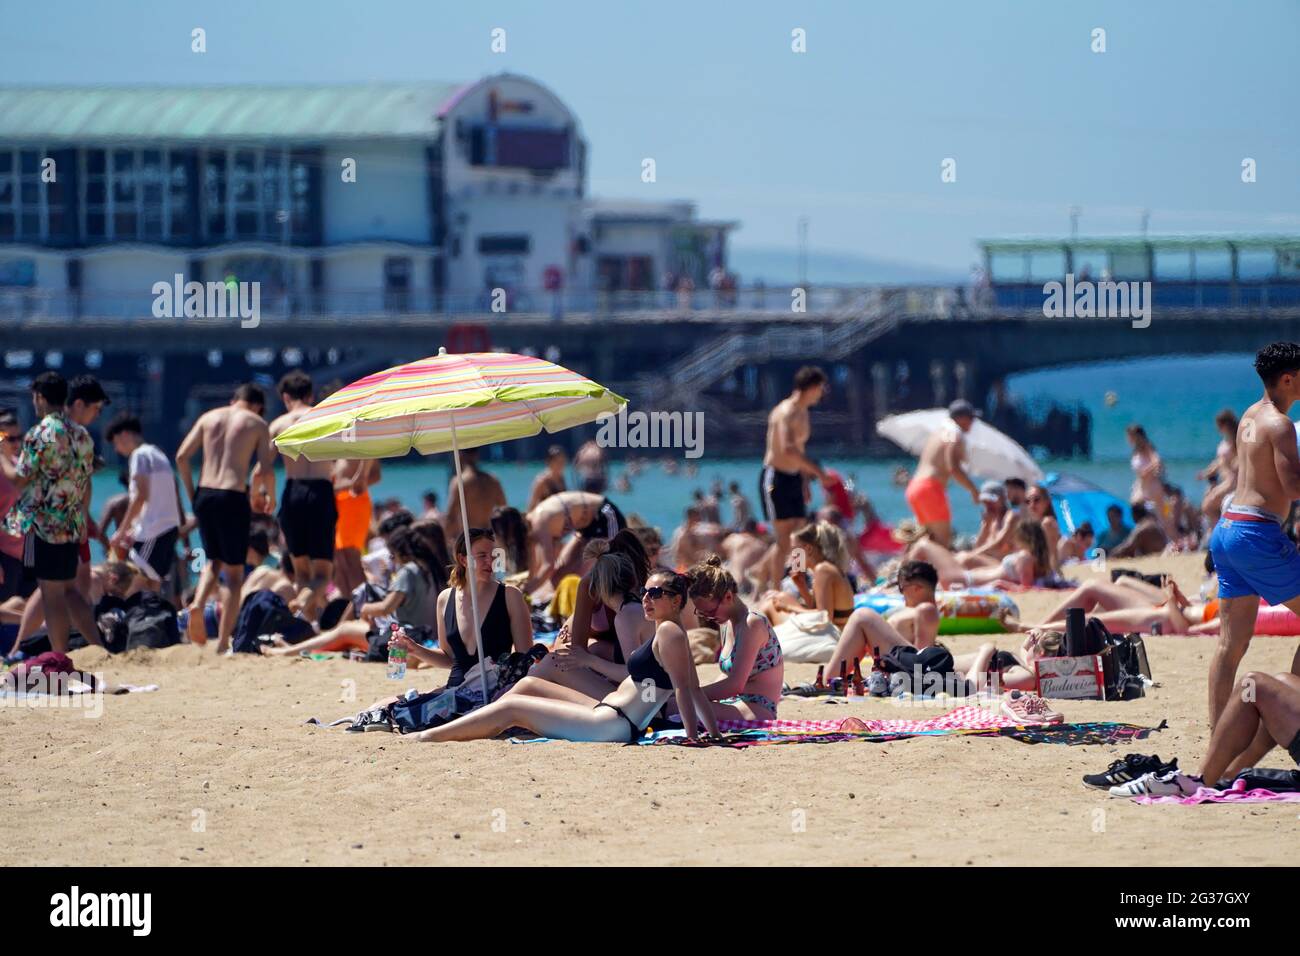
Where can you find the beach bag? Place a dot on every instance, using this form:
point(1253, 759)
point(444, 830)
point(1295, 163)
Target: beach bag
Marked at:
point(39, 644)
point(149, 621)
point(1124, 664)
point(807, 637)
point(1268, 778)
point(1092, 639)
point(264, 612)
point(909, 667)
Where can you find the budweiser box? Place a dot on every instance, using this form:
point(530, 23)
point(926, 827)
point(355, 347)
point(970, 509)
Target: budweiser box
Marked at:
point(1078, 678)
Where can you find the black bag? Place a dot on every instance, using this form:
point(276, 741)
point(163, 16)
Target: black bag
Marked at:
point(1267, 778)
point(1124, 664)
point(1086, 640)
point(909, 667)
point(437, 707)
point(149, 621)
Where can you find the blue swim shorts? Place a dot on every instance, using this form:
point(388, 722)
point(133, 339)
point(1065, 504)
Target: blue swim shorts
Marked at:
point(1255, 557)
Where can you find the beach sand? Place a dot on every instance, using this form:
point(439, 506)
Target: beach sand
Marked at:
point(217, 768)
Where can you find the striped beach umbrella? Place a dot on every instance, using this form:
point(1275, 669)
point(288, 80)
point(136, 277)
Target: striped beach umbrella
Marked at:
point(446, 403)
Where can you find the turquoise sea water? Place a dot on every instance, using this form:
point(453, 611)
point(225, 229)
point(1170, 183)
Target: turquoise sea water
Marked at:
point(1175, 398)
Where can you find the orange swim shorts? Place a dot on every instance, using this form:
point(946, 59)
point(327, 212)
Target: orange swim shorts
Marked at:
point(353, 528)
point(928, 500)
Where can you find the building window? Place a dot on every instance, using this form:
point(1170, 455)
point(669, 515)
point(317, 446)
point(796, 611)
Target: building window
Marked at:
point(503, 245)
point(32, 210)
point(95, 203)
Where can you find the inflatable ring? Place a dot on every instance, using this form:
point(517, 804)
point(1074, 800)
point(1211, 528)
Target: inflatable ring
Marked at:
point(976, 611)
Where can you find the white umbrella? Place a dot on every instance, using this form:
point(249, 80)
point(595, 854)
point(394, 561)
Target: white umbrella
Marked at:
point(989, 453)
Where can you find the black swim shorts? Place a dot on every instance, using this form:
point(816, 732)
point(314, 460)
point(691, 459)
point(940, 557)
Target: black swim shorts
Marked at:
point(308, 515)
point(782, 494)
point(224, 518)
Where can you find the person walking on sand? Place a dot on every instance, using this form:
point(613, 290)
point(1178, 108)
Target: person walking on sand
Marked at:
point(308, 511)
point(1253, 557)
point(782, 484)
point(231, 438)
point(943, 457)
point(51, 473)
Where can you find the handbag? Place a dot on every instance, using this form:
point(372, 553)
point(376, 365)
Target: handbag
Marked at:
point(807, 637)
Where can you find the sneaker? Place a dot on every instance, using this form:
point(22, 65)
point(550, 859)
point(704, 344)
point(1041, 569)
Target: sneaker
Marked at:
point(1028, 708)
point(371, 720)
point(1128, 769)
point(1171, 784)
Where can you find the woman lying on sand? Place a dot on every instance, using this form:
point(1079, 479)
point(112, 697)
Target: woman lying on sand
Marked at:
point(1032, 560)
point(656, 670)
point(1131, 604)
point(826, 558)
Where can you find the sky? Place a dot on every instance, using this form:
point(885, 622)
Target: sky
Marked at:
point(850, 134)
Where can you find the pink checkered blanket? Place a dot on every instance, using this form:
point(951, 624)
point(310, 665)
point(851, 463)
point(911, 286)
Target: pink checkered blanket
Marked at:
point(960, 718)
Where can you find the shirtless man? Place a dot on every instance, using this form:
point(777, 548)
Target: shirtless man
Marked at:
point(231, 438)
point(308, 514)
point(549, 481)
point(588, 515)
point(782, 484)
point(352, 478)
point(590, 465)
point(1252, 555)
point(483, 494)
point(942, 458)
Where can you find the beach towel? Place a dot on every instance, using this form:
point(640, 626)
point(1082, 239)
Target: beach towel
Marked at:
point(1237, 793)
point(969, 720)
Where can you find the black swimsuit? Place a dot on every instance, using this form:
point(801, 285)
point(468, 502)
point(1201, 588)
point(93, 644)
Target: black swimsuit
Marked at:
point(495, 633)
point(643, 666)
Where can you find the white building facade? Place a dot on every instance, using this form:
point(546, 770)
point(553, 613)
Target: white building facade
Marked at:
point(358, 200)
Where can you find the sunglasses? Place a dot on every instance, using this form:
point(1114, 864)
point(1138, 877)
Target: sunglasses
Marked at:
point(655, 592)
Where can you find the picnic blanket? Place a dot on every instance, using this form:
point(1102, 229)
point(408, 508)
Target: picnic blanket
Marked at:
point(971, 721)
point(1237, 793)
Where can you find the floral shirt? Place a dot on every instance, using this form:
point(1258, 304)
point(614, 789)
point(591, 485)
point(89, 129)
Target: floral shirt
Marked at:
point(57, 455)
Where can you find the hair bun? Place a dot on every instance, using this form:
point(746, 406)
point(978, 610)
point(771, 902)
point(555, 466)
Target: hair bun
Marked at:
point(713, 561)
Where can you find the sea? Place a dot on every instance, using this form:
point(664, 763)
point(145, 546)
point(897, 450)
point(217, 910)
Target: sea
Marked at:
point(1174, 397)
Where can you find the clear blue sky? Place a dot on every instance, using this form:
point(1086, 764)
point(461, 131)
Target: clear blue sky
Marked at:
point(850, 134)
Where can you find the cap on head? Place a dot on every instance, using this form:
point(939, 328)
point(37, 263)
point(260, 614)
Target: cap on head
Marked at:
point(993, 492)
point(961, 409)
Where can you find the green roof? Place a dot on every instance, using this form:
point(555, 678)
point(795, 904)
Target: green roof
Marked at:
point(215, 113)
point(1136, 243)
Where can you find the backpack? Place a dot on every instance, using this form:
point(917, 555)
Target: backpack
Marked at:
point(149, 621)
point(908, 667)
point(264, 612)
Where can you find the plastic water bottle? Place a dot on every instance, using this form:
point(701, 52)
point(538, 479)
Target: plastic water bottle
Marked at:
point(396, 654)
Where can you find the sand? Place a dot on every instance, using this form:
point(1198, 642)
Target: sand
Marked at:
point(218, 768)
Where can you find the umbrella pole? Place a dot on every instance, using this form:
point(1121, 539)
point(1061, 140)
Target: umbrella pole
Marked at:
point(470, 569)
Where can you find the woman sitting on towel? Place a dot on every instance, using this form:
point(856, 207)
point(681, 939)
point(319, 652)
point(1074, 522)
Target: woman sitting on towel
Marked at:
point(753, 669)
point(1032, 560)
point(594, 669)
point(657, 670)
point(825, 556)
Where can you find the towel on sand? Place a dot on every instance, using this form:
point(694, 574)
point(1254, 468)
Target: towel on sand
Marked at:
point(1237, 793)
